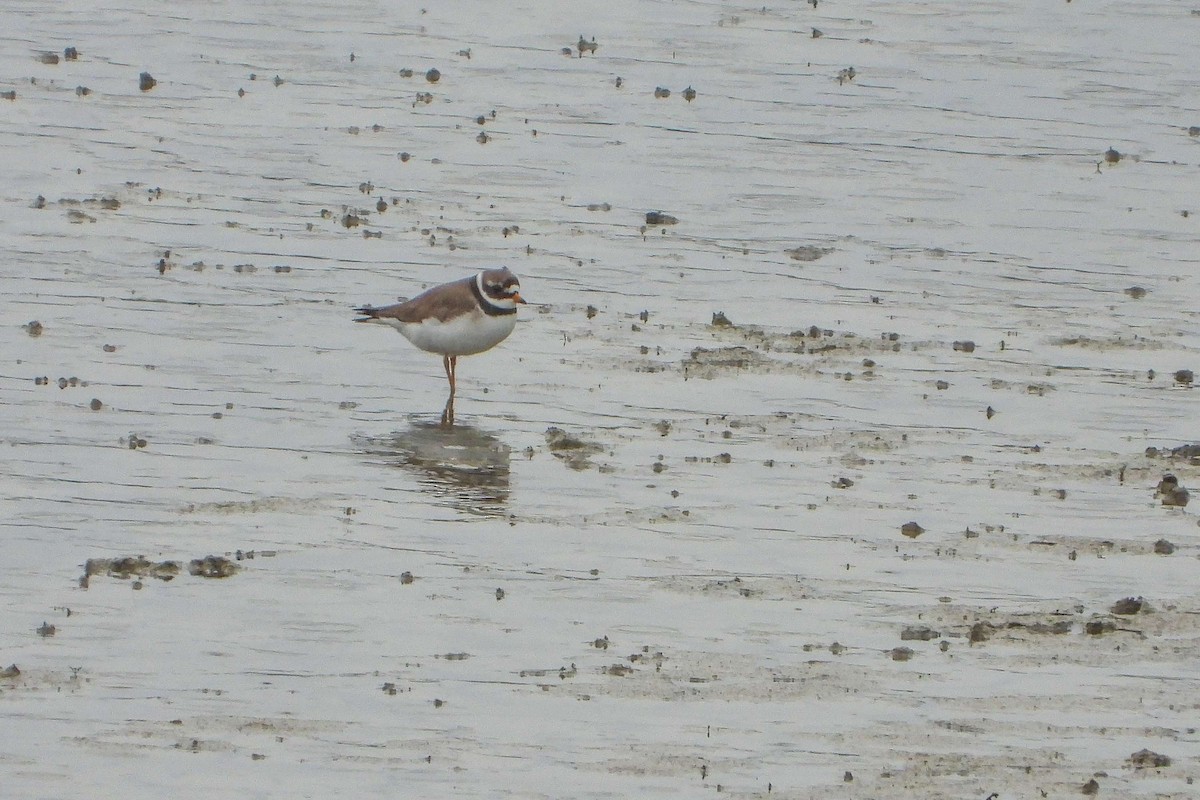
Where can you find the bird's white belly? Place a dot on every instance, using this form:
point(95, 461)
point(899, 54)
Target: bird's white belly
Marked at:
point(462, 336)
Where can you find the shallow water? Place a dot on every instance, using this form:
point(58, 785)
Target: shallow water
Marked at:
point(700, 582)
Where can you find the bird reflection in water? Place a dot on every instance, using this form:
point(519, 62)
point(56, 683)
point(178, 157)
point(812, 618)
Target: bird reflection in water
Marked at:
point(464, 467)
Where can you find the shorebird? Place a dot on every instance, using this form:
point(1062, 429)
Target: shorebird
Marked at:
point(455, 319)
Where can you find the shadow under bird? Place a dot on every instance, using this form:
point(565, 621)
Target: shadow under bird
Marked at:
point(460, 318)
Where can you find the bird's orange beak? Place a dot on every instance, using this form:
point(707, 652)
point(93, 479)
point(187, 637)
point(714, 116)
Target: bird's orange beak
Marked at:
point(518, 299)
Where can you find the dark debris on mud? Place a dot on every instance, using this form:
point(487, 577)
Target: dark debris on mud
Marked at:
point(135, 567)
point(572, 450)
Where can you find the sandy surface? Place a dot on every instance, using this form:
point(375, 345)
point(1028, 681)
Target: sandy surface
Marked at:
point(699, 582)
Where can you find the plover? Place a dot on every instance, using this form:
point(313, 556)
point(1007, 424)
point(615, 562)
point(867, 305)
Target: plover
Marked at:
point(455, 319)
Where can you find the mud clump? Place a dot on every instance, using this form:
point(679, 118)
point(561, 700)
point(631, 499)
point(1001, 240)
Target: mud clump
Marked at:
point(1148, 759)
point(212, 567)
point(1171, 493)
point(808, 252)
point(572, 450)
point(1128, 606)
point(708, 363)
point(128, 567)
point(1190, 452)
point(981, 632)
point(918, 633)
point(1099, 627)
point(138, 567)
point(660, 218)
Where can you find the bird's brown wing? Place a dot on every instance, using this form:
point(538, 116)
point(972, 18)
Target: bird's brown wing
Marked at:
point(441, 302)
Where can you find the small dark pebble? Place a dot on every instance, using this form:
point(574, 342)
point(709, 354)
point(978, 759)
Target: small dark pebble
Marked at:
point(34, 328)
point(1091, 787)
point(660, 218)
point(1163, 547)
point(146, 82)
point(96, 405)
point(966, 346)
point(1184, 376)
point(433, 75)
point(911, 529)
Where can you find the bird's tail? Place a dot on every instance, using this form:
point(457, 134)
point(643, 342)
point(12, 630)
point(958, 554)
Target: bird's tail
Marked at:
point(369, 313)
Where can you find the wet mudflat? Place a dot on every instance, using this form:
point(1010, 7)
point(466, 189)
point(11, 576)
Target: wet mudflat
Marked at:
point(828, 457)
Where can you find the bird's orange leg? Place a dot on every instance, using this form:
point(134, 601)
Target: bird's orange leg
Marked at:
point(450, 363)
